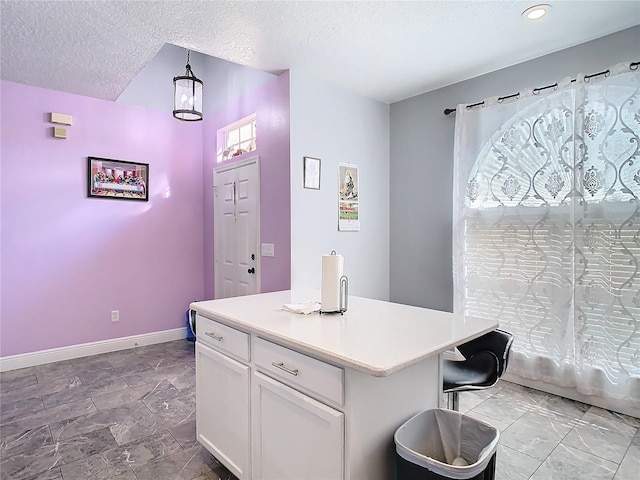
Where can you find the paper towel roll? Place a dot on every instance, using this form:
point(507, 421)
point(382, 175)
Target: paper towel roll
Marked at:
point(331, 272)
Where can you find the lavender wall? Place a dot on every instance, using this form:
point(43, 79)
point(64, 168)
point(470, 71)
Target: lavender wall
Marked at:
point(223, 81)
point(152, 87)
point(270, 102)
point(68, 260)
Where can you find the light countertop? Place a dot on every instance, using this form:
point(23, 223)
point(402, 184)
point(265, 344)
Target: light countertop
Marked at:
point(373, 336)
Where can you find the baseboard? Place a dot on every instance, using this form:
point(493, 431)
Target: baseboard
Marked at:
point(573, 395)
point(14, 362)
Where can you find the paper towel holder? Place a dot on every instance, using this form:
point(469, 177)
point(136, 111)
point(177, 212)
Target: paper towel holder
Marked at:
point(344, 296)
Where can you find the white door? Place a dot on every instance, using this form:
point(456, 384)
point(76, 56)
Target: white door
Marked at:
point(236, 206)
point(294, 436)
point(222, 409)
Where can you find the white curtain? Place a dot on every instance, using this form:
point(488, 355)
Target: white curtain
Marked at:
point(546, 233)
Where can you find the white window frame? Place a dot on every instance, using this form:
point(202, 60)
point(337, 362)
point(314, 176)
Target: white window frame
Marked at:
point(226, 148)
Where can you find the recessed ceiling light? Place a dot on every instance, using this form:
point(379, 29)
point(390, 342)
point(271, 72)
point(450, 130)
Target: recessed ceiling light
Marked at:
point(536, 12)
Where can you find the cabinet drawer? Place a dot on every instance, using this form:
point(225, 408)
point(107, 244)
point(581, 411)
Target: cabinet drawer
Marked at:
point(299, 370)
point(222, 338)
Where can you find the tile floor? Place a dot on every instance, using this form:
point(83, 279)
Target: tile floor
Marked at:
point(546, 437)
point(129, 415)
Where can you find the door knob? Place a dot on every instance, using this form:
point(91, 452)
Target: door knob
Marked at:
point(251, 270)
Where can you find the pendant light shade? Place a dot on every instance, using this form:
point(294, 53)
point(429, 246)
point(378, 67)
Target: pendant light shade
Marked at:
point(187, 95)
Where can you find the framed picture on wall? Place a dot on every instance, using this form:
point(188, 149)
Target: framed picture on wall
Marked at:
point(348, 197)
point(117, 179)
point(312, 173)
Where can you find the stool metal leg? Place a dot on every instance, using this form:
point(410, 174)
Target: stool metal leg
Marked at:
point(453, 401)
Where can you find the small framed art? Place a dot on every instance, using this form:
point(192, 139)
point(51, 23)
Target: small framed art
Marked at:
point(117, 179)
point(312, 173)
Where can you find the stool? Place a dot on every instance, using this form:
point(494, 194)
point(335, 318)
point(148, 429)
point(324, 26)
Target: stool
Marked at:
point(485, 360)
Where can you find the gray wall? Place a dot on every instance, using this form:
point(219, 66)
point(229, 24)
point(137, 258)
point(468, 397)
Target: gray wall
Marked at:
point(422, 162)
point(152, 88)
point(339, 126)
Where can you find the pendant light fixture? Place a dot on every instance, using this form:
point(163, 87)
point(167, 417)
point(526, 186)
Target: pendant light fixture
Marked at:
point(187, 95)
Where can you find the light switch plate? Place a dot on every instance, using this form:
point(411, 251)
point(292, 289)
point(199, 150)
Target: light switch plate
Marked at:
point(267, 249)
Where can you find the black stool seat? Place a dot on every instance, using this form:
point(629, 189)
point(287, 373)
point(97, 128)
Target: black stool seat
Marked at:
point(480, 371)
point(485, 360)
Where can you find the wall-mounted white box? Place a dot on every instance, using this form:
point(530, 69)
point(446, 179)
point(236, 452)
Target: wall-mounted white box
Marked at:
point(59, 132)
point(60, 118)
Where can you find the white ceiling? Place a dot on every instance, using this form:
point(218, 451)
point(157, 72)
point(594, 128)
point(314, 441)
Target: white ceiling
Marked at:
point(385, 50)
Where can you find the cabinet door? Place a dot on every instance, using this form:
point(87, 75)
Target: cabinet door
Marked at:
point(222, 409)
point(294, 436)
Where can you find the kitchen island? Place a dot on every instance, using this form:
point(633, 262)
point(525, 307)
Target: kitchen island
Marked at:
point(282, 396)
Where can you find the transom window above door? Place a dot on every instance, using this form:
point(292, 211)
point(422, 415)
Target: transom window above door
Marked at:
point(237, 138)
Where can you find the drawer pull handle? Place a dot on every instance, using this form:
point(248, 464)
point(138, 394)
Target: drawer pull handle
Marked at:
point(292, 371)
point(214, 336)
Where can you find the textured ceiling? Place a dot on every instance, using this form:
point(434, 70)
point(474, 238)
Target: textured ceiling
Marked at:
point(385, 50)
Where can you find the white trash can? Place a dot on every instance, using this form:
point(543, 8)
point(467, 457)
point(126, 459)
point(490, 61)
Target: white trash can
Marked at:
point(445, 444)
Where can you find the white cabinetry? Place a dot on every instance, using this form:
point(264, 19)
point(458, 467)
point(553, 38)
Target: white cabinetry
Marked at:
point(268, 412)
point(291, 433)
point(321, 380)
point(317, 396)
point(222, 398)
point(294, 436)
point(296, 433)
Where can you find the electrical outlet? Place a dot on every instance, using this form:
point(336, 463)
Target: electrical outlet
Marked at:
point(115, 315)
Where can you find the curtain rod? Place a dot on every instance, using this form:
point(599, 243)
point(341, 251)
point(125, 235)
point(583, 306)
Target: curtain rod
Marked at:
point(536, 91)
